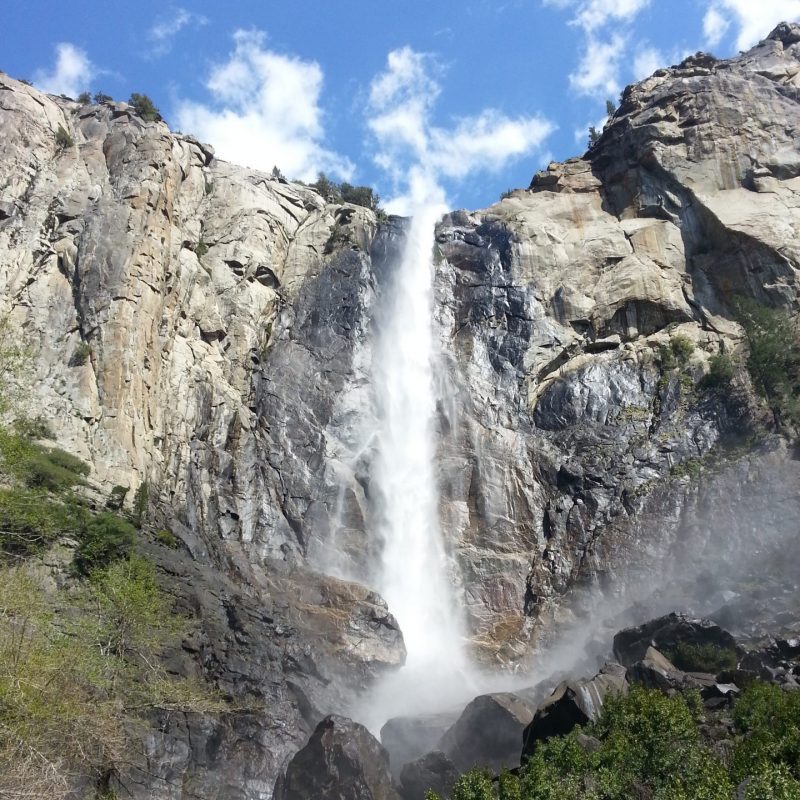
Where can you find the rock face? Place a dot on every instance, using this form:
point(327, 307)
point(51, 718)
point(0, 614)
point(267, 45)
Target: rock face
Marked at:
point(207, 329)
point(342, 761)
point(666, 634)
point(573, 703)
point(488, 732)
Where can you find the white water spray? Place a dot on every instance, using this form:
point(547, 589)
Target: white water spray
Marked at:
point(416, 575)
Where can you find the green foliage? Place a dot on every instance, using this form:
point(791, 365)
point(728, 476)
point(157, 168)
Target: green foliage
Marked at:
point(37, 466)
point(167, 538)
point(100, 97)
point(773, 783)
point(702, 658)
point(15, 362)
point(682, 347)
point(334, 192)
point(32, 428)
point(31, 519)
point(769, 720)
point(144, 107)
point(84, 98)
point(277, 174)
point(649, 746)
point(116, 498)
point(81, 355)
point(105, 539)
point(720, 374)
point(63, 139)
point(140, 500)
point(594, 136)
point(200, 249)
point(774, 358)
point(76, 668)
point(611, 109)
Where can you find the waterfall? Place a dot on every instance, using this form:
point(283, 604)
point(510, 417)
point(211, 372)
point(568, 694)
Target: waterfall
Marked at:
point(416, 574)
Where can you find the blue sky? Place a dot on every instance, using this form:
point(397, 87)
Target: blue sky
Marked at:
point(446, 101)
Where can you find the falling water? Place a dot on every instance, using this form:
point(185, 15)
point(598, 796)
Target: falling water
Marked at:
point(416, 576)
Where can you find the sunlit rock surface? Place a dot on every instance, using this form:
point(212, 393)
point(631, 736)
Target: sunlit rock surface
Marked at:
point(229, 321)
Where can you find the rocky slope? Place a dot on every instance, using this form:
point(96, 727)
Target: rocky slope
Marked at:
point(207, 329)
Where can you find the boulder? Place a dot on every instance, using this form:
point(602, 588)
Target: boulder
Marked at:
point(342, 761)
point(573, 703)
point(488, 732)
point(665, 633)
point(434, 771)
point(408, 738)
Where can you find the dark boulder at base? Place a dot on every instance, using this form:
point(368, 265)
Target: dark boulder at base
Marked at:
point(342, 761)
point(666, 633)
point(408, 738)
point(573, 703)
point(433, 771)
point(488, 732)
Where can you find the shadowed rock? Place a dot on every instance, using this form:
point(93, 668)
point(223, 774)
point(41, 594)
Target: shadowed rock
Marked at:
point(342, 761)
point(573, 703)
point(488, 732)
point(408, 738)
point(434, 771)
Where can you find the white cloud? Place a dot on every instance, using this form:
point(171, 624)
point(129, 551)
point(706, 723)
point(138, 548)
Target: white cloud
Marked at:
point(598, 70)
point(168, 27)
point(646, 61)
point(594, 14)
point(418, 155)
point(71, 74)
point(754, 19)
point(265, 112)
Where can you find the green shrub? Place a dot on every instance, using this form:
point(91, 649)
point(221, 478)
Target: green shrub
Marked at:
point(769, 720)
point(682, 347)
point(63, 139)
point(30, 520)
point(80, 355)
point(84, 98)
point(200, 249)
point(144, 107)
point(100, 97)
point(333, 192)
point(720, 373)
point(105, 539)
point(167, 538)
point(702, 658)
point(116, 498)
point(36, 428)
point(774, 358)
point(141, 498)
point(39, 467)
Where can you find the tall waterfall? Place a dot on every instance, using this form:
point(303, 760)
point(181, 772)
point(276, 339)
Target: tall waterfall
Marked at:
point(415, 573)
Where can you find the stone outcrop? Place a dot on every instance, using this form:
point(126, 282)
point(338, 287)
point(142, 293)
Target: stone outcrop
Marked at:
point(573, 703)
point(207, 329)
point(342, 761)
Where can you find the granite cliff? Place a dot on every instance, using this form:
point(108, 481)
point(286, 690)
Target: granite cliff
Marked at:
point(208, 330)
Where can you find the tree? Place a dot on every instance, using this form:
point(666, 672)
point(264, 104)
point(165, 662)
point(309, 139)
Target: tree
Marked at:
point(611, 109)
point(594, 136)
point(144, 107)
point(328, 190)
point(63, 139)
point(84, 98)
point(100, 97)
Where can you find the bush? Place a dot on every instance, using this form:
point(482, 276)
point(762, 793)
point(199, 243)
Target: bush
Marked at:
point(333, 192)
point(36, 428)
point(63, 139)
point(116, 498)
point(200, 249)
point(720, 374)
point(105, 539)
point(774, 358)
point(140, 501)
point(167, 538)
point(84, 98)
point(100, 97)
point(144, 107)
point(702, 658)
point(682, 347)
point(30, 520)
point(81, 355)
point(39, 467)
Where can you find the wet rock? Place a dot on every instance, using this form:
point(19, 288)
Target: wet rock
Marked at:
point(342, 761)
point(408, 738)
point(433, 771)
point(488, 732)
point(573, 703)
point(666, 633)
